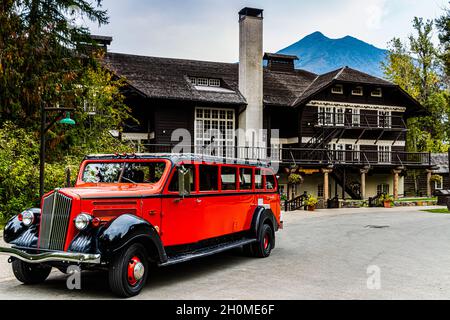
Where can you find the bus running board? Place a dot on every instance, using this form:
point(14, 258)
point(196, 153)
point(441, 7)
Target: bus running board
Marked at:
point(206, 252)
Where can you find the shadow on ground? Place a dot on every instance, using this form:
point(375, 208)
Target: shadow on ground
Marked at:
point(95, 283)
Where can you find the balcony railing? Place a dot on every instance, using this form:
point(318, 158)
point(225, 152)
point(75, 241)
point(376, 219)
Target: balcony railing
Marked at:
point(351, 120)
point(302, 156)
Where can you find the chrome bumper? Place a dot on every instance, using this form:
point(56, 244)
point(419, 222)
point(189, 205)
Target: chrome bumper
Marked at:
point(52, 256)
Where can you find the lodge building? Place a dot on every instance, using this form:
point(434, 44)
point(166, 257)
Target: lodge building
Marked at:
point(343, 132)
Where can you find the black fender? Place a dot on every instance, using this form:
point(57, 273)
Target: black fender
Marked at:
point(17, 233)
point(127, 229)
point(262, 216)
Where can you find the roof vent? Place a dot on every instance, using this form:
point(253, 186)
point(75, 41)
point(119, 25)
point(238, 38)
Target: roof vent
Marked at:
point(280, 62)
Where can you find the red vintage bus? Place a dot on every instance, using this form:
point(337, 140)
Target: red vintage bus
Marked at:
point(127, 211)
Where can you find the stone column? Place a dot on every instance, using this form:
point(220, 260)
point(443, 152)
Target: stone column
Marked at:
point(326, 183)
point(429, 191)
point(396, 173)
point(363, 182)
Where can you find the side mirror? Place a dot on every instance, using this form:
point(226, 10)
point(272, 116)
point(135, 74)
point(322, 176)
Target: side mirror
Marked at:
point(184, 181)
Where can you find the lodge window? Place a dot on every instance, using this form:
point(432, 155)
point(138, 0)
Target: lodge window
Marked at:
point(205, 82)
point(320, 191)
point(382, 189)
point(384, 154)
point(339, 151)
point(89, 107)
point(356, 117)
point(438, 184)
point(358, 91)
point(377, 93)
point(214, 131)
point(228, 178)
point(338, 89)
point(245, 178)
point(173, 186)
point(209, 177)
point(259, 180)
point(384, 119)
point(329, 116)
point(202, 82)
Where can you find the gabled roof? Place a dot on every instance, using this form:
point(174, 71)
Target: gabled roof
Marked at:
point(344, 74)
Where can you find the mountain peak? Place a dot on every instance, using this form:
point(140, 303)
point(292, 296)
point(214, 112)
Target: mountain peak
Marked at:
point(320, 54)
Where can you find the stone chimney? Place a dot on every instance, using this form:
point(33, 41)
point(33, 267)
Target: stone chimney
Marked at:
point(251, 74)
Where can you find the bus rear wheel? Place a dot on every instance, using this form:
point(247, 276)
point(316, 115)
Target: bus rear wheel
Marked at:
point(263, 247)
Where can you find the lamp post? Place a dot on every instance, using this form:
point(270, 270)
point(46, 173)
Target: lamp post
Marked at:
point(44, 129)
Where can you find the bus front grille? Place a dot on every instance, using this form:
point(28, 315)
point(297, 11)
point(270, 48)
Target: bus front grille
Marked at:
point(54, 221)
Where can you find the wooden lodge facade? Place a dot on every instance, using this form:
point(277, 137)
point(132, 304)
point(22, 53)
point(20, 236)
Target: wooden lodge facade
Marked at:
point(343, 132)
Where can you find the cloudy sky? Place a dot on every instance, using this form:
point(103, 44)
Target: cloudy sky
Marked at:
point(208, 29)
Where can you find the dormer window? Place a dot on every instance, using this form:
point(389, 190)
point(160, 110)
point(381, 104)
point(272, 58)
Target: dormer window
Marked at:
point(214, 82)
point(338, 89)
point(377, 93)
point(205, 82)
point(358, 91)
point(202, 82)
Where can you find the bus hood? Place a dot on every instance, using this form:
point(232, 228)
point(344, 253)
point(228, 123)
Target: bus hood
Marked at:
point(111, 192)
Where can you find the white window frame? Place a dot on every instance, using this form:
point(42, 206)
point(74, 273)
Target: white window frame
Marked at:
point(356, 117)
point(325, 116)
point(214, 82)
point(202, 82)
point(439, 185)
point(384, 154)
point(387, 115)
point(338, 89)
point(339, 116)
point(209, 120)
point(358, 91)
point(377, 93)
point(339, 151)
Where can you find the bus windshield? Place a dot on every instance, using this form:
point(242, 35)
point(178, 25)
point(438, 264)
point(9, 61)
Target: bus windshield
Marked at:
point(123, 172)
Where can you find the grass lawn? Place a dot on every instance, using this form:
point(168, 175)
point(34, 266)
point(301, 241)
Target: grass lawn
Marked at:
point(416, 199)
point(438, 211)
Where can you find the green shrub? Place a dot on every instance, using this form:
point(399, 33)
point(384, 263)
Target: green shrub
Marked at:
point(19, 168)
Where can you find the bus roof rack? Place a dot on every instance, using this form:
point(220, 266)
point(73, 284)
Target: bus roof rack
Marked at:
point(175, 157)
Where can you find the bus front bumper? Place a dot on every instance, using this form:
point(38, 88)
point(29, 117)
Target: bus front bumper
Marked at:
point(55, 256)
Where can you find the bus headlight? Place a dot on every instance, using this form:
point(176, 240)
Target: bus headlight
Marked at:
point(27, 218)
point(82, 221)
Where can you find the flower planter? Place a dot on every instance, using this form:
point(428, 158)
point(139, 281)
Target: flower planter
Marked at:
point(311, 208)
point(387, 204)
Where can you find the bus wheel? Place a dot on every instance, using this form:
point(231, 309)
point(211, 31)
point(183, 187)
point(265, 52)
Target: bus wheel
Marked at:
point(128, 271)
point(28, 273)
point(263, 248)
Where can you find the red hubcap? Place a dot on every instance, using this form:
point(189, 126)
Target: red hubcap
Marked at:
point(266, 241)
point(135, 271)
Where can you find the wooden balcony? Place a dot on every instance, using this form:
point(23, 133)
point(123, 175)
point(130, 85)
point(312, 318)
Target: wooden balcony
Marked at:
point(359, 121)
point(304, 157)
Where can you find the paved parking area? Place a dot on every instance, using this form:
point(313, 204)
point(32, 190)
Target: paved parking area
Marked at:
point(321, 255)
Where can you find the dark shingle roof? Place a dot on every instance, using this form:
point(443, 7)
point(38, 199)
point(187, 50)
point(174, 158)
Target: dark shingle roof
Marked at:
point(167, 78)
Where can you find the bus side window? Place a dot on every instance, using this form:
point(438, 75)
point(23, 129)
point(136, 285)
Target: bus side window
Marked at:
point(173, 186)
point(259, 180)
point(270, 181)
point(228, 178)
point(245, 178)
point(209, 177)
